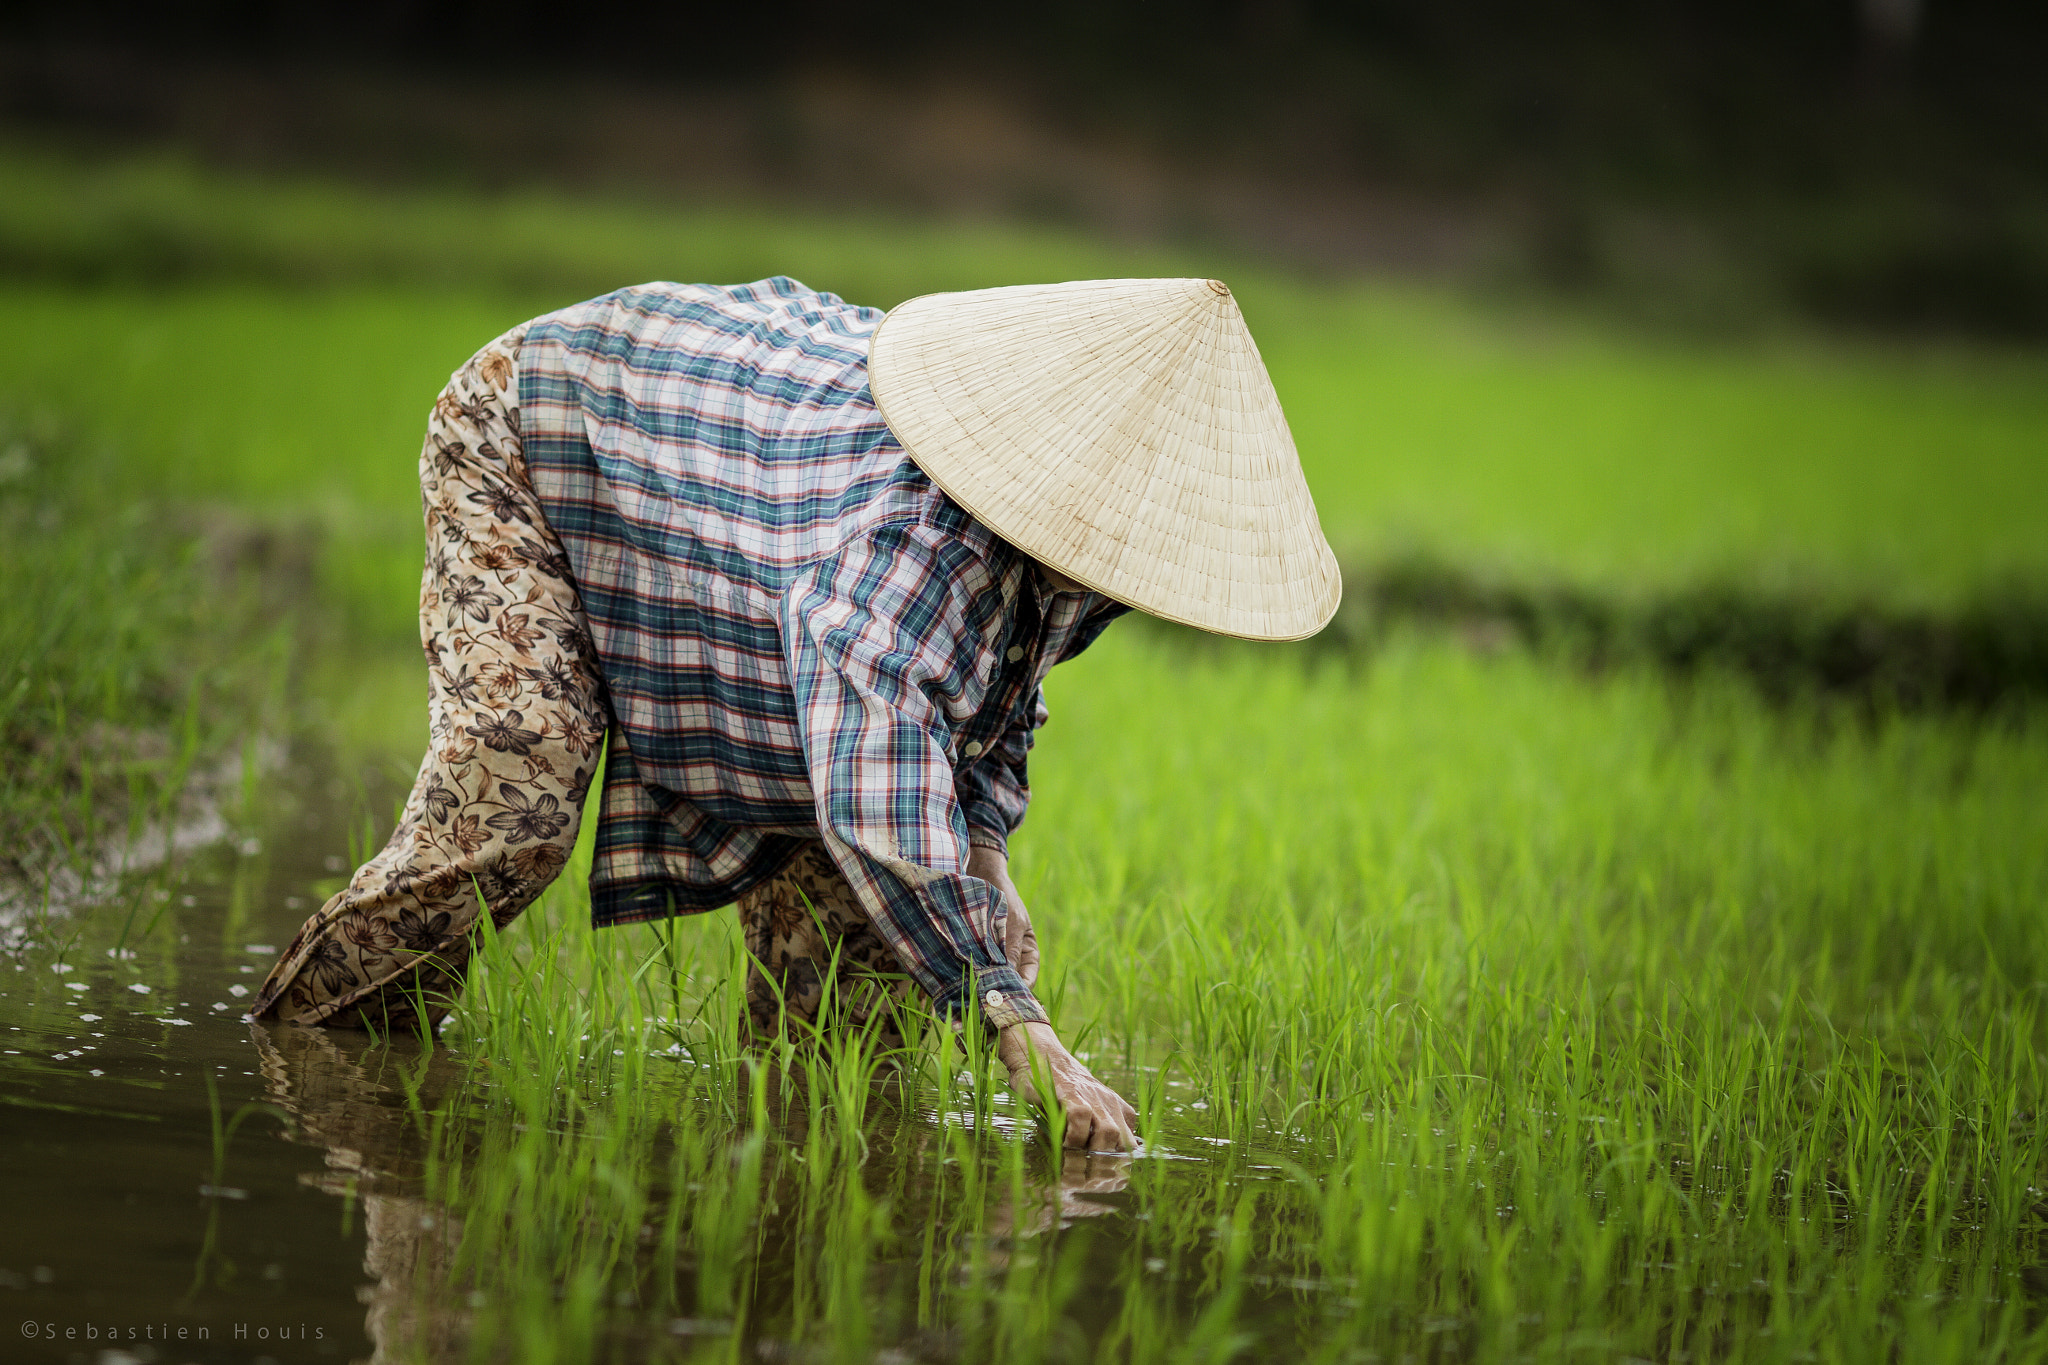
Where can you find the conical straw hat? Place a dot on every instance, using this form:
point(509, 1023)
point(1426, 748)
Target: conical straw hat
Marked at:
point(1123, 432)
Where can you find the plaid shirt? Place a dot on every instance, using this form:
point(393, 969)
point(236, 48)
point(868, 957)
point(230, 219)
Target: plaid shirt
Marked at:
point(801, 636)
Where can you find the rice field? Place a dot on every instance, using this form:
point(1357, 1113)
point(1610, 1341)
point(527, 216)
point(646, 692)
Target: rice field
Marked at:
point(1473, 1012)
point(1478, 1007)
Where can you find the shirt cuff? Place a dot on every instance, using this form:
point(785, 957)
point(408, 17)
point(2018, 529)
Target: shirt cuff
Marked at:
point(982, 837)
point(998, 994)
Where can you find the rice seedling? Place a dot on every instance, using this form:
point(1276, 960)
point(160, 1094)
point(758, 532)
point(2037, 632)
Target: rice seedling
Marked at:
point(1475, 1012)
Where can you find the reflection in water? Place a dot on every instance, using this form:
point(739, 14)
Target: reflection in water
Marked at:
point(1086, 1173)
point(1056, 1204)
point(376, 1159)
point(369, 1105)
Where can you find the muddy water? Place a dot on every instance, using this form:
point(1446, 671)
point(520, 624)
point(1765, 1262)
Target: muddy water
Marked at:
point(185, 1186)
point(127, 1229)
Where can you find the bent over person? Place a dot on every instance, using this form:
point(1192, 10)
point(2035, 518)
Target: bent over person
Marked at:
point(799, 569)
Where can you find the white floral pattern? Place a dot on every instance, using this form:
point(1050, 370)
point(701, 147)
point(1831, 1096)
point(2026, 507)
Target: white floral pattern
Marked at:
point(517, 720)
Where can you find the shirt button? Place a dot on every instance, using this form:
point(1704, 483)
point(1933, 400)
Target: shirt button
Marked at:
point(973, 747)
point(994, 1000)
point(1016, 653)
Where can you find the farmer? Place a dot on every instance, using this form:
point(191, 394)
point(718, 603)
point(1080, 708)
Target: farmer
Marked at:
point(798, 570)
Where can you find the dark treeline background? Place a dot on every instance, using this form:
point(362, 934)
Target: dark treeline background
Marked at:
point(1867, 161)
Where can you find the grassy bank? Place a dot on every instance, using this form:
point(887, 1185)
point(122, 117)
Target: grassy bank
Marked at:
point(142, 665)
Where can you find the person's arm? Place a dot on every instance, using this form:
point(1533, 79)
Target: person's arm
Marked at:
point(885, 644)
point(881, 641)
point(1020, 940)
point(1097, 1117)
point(994, 789)
point(1101, 1118)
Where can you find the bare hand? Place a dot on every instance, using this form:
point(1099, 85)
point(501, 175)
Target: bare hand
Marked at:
point(1098, 1119)
point(1020, 941)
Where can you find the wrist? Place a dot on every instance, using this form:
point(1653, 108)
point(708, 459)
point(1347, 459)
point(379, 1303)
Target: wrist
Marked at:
point(986, 858)
point(1016, 1042)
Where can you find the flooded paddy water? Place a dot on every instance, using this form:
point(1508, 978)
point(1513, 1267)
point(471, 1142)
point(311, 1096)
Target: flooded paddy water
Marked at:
point(135, 1221)
point(187, 1184)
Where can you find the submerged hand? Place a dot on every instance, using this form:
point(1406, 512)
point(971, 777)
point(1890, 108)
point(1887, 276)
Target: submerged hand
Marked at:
point(1098, 1119)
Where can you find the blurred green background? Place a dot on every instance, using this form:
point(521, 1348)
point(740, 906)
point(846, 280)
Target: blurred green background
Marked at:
point(1706, 334)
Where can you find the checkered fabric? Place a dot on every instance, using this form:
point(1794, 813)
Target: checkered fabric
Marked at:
point(801, 637)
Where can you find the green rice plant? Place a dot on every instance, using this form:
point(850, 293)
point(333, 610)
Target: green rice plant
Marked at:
point(1474, 1009)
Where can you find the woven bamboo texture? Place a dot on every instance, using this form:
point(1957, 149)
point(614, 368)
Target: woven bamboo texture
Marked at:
point(1124, 432)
